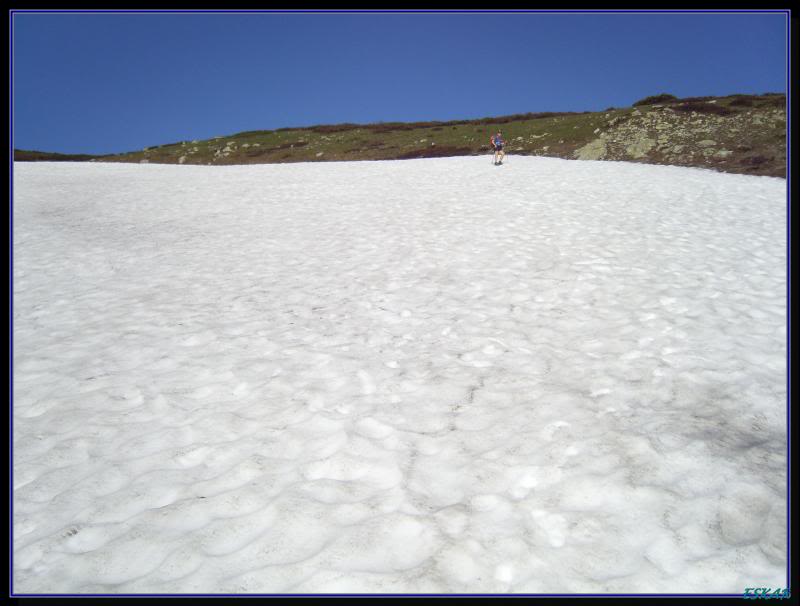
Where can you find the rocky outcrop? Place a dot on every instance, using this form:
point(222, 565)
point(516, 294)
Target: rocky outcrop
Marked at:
point(749, 140)
point(639, 147)
point(594, 150)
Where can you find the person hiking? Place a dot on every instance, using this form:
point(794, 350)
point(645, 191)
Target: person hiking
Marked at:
point(497, 144)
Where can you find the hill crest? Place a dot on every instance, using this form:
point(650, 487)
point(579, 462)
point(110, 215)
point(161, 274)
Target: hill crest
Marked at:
point(736, 133)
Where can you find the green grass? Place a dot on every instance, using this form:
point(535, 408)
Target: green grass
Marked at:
point(379, 141)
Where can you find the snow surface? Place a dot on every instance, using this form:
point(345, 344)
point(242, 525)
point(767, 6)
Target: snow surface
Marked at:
point(417, 376)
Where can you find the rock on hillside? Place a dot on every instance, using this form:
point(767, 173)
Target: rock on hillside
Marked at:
point(750, 140)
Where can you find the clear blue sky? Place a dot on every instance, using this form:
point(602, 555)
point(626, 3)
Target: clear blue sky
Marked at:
point(104, 83)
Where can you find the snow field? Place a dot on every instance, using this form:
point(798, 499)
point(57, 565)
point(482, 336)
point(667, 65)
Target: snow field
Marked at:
point(418, 376)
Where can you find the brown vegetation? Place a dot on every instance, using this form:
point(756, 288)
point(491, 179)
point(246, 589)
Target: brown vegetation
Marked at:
point(662, 98)
point(435, 151)
point(704, 108)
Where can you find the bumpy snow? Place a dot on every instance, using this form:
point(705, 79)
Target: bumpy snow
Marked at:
point(434, 376)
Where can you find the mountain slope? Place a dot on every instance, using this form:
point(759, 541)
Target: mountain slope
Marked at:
point(739, 133)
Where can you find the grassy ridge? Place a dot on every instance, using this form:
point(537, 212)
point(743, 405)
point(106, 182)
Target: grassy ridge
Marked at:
point(660, 129)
